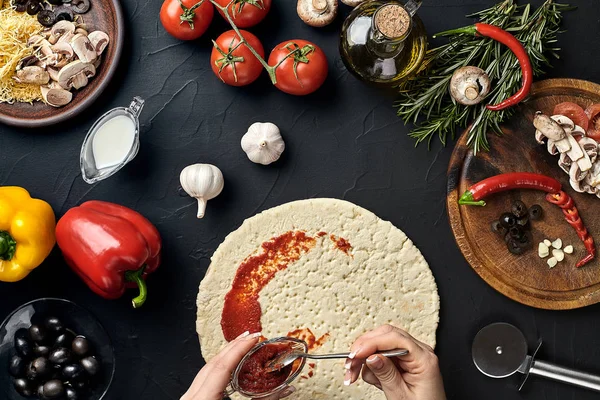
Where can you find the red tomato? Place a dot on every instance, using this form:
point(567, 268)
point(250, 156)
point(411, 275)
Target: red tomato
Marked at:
point(574, 112)
point(234, 64)
point(301, 73)
point(593, 113)
point(246, 13)
point(186, 23)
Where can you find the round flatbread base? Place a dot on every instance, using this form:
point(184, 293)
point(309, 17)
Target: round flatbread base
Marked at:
point(382, 279)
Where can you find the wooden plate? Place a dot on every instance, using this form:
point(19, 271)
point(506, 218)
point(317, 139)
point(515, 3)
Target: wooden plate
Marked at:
point(526, 278)
point(104, 15)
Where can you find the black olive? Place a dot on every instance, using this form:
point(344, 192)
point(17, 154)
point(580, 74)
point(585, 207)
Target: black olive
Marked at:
point(16, 366)
point(80, 385)
point(40, 392)
point(37, 333)
point(23, 346)
point(497, 227)
point(22, 387)
point(15, 2)
point(54, 325)
point(80, 6)
point(70, 393)
point(60, 356)
point(519, 209)
point(516, 232)
point(81, 346)
point(46, 18)
point(21, 333)
point(91, 365)
point(33, 7)
point(523, 222)
point(38, 369)
point(55, 2)
point(64, 339)
point(21, 7)
point(64, 13)
point(507, 220)
point(41, 351)
point(73, 372)
point(536, 212)
point(514, 247)
point(54, 389)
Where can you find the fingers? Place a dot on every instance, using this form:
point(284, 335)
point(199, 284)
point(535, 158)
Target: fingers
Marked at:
point(388, 375)
point(369, 377)
point(285, 392)
point(383, 338)
point(220, 368)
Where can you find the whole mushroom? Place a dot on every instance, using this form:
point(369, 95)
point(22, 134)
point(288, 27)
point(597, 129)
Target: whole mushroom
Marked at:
point(469, 85)
point(317, 13)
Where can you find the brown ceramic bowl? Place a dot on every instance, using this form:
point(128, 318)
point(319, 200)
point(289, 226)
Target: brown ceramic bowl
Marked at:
point(104, 15)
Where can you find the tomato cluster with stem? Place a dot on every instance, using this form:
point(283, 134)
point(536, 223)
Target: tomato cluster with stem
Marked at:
point(305, 58)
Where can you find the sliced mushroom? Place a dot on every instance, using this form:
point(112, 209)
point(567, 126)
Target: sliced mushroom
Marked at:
point(75, 74)
point(576, 174)
point(469, 85)
point(578, 131)
point(552, 147)
point(33, 74)
point(83, 48)
point(576, 186)
point(575, 151)
point(97, 63)
point(65, 53)
point(56, 97)
point(590, 146)
point(317, 13)
point(99, 41)
point(53, 72)
point(539, 137)
point(66, 37)
point(593, 177)
point(566, 122)
point(27, 62)
point(36, 41)
point(60, 29)
point(564, 162)
point(548, 126)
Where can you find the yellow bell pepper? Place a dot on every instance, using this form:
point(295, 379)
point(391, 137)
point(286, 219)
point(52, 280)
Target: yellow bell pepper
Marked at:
point(27, 233)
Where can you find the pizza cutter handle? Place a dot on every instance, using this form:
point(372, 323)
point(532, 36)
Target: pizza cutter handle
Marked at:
point(566, 375)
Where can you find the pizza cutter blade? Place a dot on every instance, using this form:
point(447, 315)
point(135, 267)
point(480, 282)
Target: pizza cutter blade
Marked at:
point(500, 350)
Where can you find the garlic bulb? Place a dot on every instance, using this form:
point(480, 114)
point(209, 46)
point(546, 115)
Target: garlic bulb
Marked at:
point(263, 143)
point(202, 182)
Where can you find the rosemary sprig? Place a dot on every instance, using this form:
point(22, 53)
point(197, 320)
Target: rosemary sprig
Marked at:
point(424, 99)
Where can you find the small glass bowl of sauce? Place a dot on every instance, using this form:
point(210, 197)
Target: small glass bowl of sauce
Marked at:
point(112, 142)
point(250, 378)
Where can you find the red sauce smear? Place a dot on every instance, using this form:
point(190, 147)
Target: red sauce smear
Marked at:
point(241, 311)
point(321, 234)
point(253, 376)
point(342, 244)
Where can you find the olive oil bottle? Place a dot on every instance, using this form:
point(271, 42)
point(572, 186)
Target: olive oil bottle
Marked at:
point(383, 42)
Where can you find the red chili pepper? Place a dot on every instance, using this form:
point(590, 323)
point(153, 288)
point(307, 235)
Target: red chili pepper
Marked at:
point(517, 48)
point(110, 247)
point(525, 180)
point(503, 182)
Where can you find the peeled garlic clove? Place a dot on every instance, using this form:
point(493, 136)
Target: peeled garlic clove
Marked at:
point(552, 262)
point(568, 249)
point(263, 143)
point(547, 242)
point(557, 244)
point(543, 250)
point(558, 254)
point(202, 182)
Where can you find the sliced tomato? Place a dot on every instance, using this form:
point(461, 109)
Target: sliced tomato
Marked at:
point(574, 112)
point(593, 113)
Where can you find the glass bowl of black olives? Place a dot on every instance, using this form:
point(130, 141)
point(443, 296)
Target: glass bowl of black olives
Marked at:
point(52, 349)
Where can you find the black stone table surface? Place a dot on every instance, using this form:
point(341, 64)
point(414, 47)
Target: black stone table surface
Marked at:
point(344, 141)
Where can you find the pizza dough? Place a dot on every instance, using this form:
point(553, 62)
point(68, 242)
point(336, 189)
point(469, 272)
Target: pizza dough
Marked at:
point(382, 279)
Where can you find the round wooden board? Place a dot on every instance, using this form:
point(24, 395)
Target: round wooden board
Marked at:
point(104, 15)
point(526, 278)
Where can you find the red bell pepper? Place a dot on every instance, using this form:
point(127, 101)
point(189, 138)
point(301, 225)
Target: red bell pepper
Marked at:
point(110, 247)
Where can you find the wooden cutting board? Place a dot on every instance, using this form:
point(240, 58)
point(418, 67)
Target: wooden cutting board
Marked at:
point(526, 278)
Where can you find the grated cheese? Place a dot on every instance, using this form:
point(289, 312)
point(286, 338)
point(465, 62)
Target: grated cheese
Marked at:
point(15, 30)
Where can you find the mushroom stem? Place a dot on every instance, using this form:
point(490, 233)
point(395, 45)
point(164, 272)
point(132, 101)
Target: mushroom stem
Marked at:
point(471, 92)
point(320, 5)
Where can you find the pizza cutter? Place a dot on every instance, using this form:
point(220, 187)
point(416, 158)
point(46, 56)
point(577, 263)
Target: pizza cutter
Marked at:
point(500, 350)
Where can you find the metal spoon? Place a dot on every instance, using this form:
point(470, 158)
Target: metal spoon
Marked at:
point(285, 359)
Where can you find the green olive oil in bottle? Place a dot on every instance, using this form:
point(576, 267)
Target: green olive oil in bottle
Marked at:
point(383, 42)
